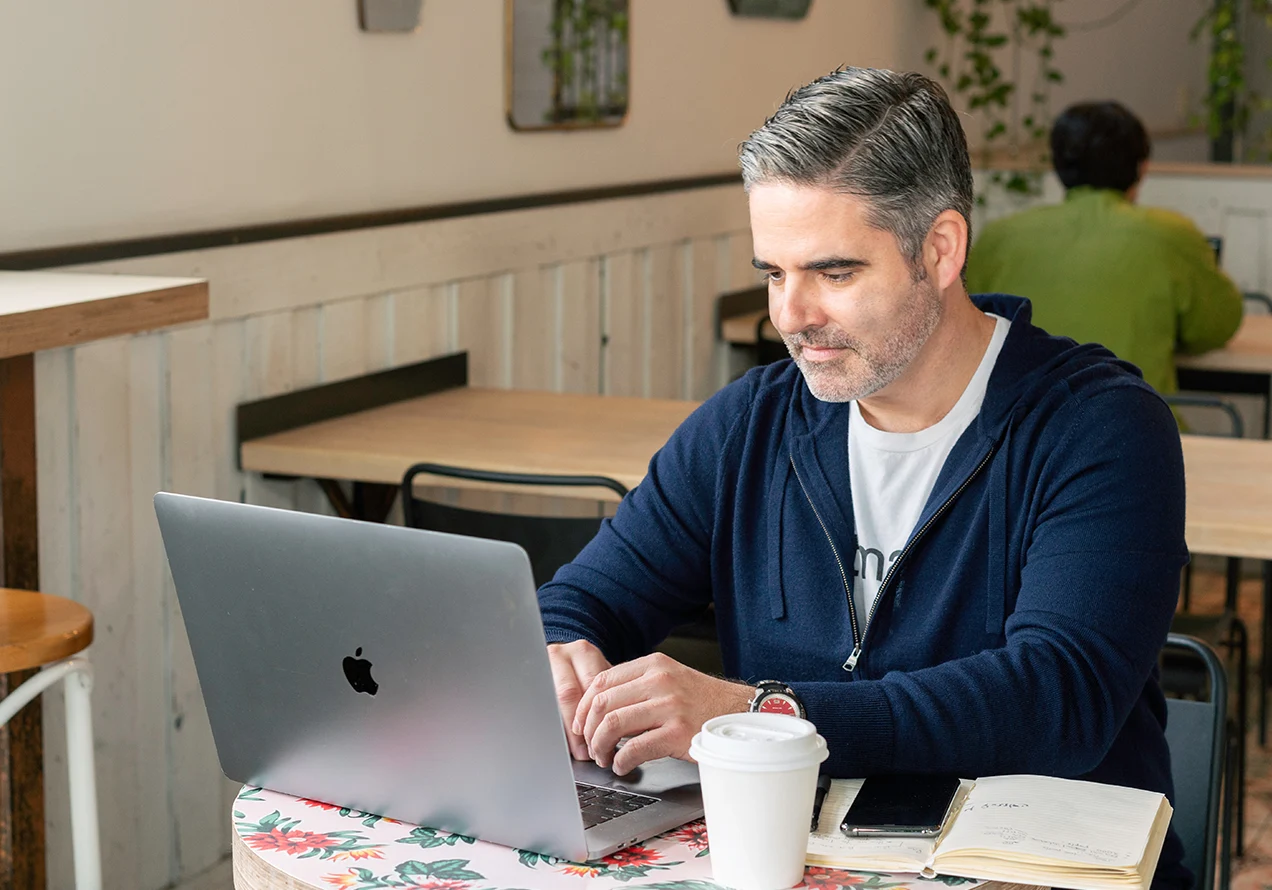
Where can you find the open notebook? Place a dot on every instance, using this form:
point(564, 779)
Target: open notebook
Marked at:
point(1018, 829)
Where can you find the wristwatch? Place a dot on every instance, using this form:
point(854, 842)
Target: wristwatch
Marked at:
point(775, 697)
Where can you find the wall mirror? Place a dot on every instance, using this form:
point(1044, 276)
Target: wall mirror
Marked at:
point(566, 63)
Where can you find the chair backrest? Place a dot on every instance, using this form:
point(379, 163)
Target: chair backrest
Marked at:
point(1196, 733)
point(1258, 299)
point(550, 541)
point(1235, 425)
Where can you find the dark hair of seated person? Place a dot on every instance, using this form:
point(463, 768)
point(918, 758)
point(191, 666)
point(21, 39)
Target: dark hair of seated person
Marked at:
point(1098, 144)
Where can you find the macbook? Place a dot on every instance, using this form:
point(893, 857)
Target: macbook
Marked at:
point(399, 672)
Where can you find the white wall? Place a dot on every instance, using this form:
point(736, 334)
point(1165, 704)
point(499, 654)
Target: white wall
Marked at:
point(1144, 59)
point(139, 117)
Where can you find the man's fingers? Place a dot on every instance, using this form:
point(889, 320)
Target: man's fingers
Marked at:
point(629, 721)
point(567, 661)
point(608, 701)
point(602, 680)
point(588, 663)
point(665, 741)
point(568, 693)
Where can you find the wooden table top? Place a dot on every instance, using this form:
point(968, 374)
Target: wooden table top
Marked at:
point(741, 329)
point(1229, 480)
point(514, 431)
point(1229, 496)
point(47, 310)
point(1250, 350)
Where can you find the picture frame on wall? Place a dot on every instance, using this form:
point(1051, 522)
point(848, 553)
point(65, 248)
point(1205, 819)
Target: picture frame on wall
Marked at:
point(389, 16)
point(566, 63)
point(771, 9)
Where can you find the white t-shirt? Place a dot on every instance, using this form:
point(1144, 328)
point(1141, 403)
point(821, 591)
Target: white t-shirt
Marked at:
point(893, 474)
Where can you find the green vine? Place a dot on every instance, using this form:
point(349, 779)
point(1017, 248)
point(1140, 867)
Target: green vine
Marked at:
point(1230, 102)
point(589, 38)
point(970, 64)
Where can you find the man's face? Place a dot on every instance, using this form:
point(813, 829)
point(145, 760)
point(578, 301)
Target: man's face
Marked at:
point(841, 294)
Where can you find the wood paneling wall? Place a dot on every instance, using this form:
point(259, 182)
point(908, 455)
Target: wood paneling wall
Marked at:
point(613, 297)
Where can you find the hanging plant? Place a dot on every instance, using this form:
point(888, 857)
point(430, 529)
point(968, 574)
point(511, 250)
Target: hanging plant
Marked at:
point(976, 38)
point(1230, 101)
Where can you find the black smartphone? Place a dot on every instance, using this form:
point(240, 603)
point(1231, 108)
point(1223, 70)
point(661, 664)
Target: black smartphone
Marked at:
point(901, 805)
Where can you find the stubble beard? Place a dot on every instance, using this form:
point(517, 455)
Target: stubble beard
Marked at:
point(865, 369)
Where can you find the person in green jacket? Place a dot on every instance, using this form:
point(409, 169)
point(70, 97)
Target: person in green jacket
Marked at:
point(1142, 281)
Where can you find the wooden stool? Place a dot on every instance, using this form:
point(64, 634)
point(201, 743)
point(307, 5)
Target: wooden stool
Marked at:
point(38, 630)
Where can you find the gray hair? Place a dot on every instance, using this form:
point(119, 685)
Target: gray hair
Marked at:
point(891, 138)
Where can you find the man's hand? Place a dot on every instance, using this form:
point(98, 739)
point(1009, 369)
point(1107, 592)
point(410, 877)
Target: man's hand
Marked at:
point(657, 703)
point(574, 665)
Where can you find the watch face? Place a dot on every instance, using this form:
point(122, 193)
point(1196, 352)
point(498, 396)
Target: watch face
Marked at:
point(777, 703)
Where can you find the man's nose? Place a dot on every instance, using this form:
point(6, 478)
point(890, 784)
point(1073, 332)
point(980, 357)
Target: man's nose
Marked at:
point(796, 307)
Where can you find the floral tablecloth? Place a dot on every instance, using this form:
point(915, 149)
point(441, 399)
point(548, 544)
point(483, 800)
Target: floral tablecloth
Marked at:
point(332, 847)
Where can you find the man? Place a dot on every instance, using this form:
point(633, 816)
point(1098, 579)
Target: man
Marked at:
point(953, 540)
point(1141, 281)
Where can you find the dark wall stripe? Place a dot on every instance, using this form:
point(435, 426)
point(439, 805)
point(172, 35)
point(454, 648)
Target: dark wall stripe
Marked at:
point(277, 414)
point(49, 257)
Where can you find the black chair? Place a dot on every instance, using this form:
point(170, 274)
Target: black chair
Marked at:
point(550, 541)
point(1258, 299)
point(1224, 629)
point(1199, 734)
point(1236, 430)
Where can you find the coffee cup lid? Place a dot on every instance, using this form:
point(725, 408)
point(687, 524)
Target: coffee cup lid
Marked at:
point(754, 742)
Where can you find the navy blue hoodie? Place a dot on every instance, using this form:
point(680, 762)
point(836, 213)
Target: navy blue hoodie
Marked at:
point(1018, 630)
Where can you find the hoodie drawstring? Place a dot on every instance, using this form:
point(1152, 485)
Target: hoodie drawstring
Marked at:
point(995, 576)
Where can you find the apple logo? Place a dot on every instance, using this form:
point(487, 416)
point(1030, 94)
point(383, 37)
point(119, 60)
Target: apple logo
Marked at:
point(358, 672)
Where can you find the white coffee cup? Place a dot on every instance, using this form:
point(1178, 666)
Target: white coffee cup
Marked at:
point(759, 774)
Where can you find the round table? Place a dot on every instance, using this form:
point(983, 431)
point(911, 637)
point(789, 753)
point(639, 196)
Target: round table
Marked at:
point(281, 841)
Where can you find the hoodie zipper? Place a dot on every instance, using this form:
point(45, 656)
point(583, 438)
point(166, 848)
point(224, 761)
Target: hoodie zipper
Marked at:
point(852, 611)
point(859, 637)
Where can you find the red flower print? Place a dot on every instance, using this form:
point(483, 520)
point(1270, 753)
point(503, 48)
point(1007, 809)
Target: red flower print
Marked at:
point(632, 856)
point(348, 879)
point(318, 804)
point(357, 853)
point(293, 843)
point(829, 878)
point(693, 835)
point(581, 871)
point(444, 885)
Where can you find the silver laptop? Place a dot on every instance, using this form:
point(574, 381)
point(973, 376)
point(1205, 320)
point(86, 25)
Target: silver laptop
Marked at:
point(399, 672)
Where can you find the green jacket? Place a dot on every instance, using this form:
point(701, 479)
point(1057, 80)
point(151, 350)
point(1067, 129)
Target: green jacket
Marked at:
point(1139, 280)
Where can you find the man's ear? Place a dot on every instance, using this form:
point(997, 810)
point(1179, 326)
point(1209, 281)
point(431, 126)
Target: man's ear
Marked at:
point(946, 248)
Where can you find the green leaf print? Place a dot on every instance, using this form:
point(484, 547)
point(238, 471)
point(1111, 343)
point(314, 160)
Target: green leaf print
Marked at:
point(443, 869)
point(273, 822)
point(530, 859)
point(431, 837)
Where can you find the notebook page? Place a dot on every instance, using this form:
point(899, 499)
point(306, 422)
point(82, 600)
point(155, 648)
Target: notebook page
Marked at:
point(1063, 820)
point(830, 846)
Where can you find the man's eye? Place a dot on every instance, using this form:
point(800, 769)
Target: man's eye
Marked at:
point(838, 277)
point(774, 275)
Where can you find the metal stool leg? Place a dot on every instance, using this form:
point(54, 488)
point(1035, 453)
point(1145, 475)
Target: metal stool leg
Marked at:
point(78, 674)
point(83, 779)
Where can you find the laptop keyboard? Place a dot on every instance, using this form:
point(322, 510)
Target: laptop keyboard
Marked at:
point(600, 805)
